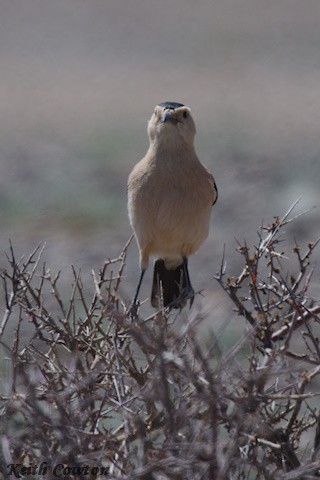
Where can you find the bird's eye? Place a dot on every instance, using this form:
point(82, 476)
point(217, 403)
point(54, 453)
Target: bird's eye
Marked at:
point(185, 114)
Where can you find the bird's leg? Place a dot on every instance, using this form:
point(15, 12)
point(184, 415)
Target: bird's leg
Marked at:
point(138, 287)
point(134, 306)
point(188, 292)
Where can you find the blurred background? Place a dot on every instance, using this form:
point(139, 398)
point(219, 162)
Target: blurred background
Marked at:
point(79, 80)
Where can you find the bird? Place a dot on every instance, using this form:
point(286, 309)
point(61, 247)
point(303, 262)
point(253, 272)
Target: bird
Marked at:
point(170, 198)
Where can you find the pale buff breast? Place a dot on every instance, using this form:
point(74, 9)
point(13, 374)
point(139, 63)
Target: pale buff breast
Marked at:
point(175, 220)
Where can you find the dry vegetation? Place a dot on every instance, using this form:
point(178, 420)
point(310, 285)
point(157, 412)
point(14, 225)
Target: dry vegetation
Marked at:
point(145, 398)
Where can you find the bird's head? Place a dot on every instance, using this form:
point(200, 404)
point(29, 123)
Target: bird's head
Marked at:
point(172, 122)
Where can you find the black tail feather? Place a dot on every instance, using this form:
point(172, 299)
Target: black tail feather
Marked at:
point(172, 286)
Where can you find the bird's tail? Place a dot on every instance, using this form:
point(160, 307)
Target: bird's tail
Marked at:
point(171, 287)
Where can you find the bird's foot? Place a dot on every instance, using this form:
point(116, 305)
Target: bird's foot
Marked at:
point(132, 311)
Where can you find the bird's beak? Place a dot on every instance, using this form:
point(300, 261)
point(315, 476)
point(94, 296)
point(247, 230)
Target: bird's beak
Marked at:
point(168, 116)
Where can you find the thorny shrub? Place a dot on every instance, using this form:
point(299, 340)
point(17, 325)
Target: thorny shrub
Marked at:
point(87, 386)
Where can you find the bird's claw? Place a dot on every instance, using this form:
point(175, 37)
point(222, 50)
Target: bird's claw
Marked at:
point(132, 311)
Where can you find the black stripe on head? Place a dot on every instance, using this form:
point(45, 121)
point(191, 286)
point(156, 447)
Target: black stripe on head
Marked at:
point(171, 105)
